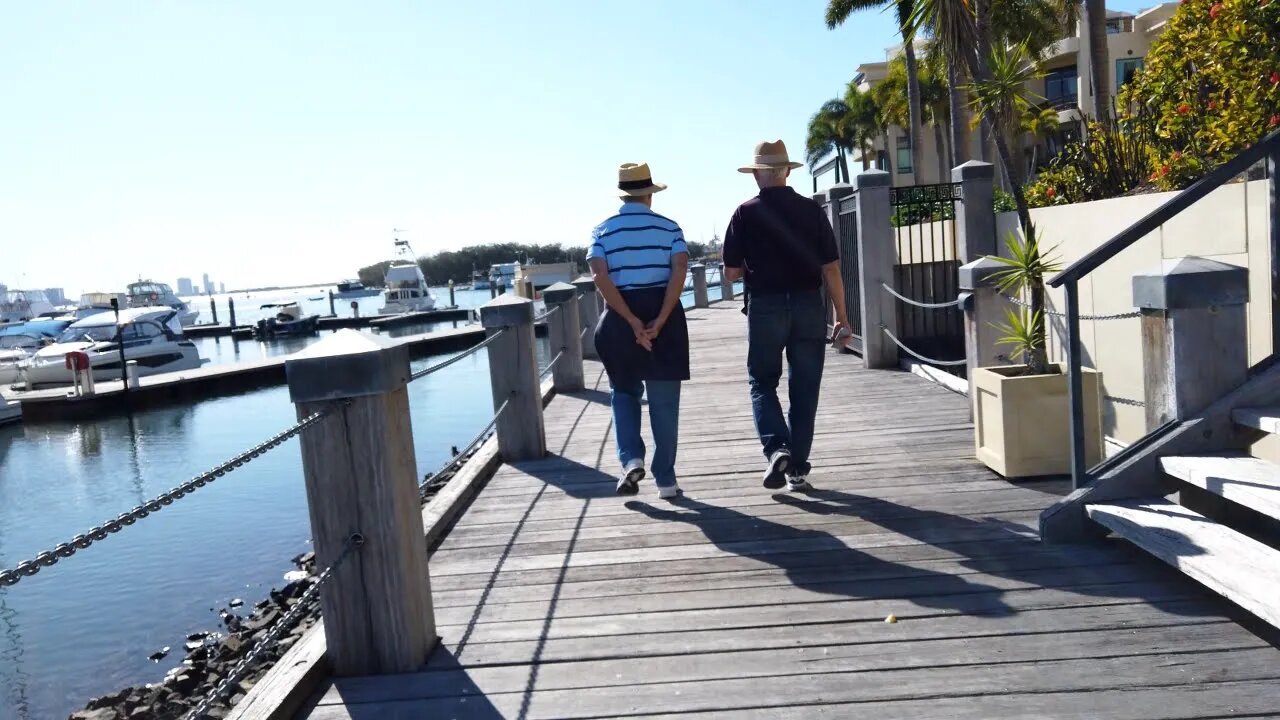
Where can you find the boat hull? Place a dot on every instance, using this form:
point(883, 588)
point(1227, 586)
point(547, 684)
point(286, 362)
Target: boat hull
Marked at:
point(152, 360)
point(348, 294)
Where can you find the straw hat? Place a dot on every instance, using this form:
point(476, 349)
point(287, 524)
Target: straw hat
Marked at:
point(635, 180)
point(770, 155)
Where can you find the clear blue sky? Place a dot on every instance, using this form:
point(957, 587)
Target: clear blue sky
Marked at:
point(280, 142)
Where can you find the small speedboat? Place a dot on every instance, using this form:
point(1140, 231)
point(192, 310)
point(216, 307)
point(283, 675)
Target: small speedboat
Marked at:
point(288, 321)
point(354, 289)
point(152, 336)
point(19, 342)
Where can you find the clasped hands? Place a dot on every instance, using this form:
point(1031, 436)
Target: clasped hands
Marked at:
point(646, 333)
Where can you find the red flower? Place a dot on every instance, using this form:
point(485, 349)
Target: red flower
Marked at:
point(1176, 156)
point(1213, 104)
point(1049, 192)
point(1275, 78)
point(1275, 120)
point(1183, 109)
point(1215, 11)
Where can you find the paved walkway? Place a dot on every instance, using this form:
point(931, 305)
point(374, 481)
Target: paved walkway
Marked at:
point(557, 599)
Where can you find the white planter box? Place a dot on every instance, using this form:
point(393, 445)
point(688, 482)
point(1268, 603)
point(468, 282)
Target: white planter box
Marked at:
point(1022, 423)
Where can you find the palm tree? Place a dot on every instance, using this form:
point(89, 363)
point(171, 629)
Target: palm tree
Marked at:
point(955, 24)
point(838, 11)
point(935, 96)
point(1040, 123)
point(1095, 17)
point(864, 121)
point(830, 132)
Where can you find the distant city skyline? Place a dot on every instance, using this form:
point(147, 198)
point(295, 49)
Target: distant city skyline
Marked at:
point(185, 287)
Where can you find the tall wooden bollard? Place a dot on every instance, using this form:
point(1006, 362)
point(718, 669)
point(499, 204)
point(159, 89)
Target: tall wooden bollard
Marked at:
point(726, 285)
point(213, 310)
point(513, 371)
point(231, 310)
point(588, 315)
point(566, 336)
point(453, 302)
point(700, 298)
point(332, 310)
point(361, 477)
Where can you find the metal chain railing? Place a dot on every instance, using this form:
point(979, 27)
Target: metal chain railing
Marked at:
point(917, 303)
point(269, 639)
point(434, 481)
point(550, 366)
point(549, 312)
point(1051, 313)
point(917, 355)
point(457, 358)
point(49, 558)
point(1125, 401)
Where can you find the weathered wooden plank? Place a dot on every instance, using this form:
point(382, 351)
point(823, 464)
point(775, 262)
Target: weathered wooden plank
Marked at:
point(1234, 565)
point(1266, 419)
point(1242, 479)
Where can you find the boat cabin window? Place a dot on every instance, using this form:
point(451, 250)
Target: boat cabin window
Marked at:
point(9, 342)
point(96, 333)
point(142, 330)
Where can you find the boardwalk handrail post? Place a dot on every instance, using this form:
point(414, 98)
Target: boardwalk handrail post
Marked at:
point(877, 255)
point(213, 310)
point(513, 371)
point(566, 336)
point(700, 298)
point(976, 213)
point(588, 315)
point(726, 285)
point(985, 308)
point(231, 310)
point(832, 202)
point(361, 477)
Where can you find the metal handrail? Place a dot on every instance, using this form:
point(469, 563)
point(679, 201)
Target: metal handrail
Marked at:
point(1267, 149)
point(1268, 146)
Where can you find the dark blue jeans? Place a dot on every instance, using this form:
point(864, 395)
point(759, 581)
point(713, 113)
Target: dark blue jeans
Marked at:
point(794, 324)
point(664, 420)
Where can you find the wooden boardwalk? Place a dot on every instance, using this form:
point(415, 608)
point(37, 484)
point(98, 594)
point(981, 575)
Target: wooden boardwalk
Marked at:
point(557, 599)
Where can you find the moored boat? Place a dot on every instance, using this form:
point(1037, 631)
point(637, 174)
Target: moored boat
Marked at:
point(151, 336)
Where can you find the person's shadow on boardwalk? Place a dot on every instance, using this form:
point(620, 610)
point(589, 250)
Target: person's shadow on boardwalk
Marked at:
point(840, 570)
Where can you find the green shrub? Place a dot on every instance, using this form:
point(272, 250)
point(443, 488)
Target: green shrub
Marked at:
point(1212, 85)
point(1004, 201)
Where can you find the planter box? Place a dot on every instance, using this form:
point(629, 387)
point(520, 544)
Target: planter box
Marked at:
point(1022, 424)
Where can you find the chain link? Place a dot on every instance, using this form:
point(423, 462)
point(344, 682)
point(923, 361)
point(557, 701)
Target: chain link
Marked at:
point(1125, 401)
point(1051, 313)
point(49, 558)
point(272, 636)
point(433, 481)
point(918, 356)
point(457, 358)
point(909, 301)
point(547, 314)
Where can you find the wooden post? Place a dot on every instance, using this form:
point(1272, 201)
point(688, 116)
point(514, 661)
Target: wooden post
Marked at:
point(361, 477)
point(213, 310)
point(588, 315)
point(513, 370)
point(355, 309)
point(726, 286)
point(566, 336)
point(453, 302)
point(332, 311)
point(231, 310)
point(699, 272)
point(876, 258)
point(976, 214)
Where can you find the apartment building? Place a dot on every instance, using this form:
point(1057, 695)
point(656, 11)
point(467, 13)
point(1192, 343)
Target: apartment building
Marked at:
point(1065, 87)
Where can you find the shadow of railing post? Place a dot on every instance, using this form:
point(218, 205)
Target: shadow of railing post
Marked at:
point(361, 480)
point(513, 372)
point(588, 315)
point(700, 297)
point(566, 336)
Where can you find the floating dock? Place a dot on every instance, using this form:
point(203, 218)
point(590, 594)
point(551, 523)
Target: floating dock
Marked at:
point(334, 322)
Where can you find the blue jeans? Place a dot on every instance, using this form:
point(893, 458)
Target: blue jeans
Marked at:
point(664, 420)
point(794, 323)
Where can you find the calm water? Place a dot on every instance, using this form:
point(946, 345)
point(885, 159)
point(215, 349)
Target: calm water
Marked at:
point(86, 626)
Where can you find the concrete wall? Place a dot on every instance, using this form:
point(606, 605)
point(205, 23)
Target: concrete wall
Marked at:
point(1229, 225)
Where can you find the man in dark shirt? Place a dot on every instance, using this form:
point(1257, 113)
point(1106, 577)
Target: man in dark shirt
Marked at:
point(783, 244)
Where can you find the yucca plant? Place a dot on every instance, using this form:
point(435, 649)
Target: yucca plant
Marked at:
point(1023, 277)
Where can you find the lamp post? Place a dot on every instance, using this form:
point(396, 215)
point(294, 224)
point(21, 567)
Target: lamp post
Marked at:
point(124, 369)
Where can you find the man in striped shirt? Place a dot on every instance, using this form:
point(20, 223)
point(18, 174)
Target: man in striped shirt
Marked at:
point(639, 261)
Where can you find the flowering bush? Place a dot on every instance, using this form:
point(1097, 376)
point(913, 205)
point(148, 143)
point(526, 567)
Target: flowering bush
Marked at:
point(1055, 186)
point(1212, 84)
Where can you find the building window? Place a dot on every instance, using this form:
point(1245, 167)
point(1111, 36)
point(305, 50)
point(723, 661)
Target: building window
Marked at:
point(1061, 87)
point(1126, 70)
point(904, 155)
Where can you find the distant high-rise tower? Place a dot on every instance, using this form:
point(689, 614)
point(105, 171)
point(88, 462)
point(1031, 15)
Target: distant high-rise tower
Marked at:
point(185, 287)
point(208, 285)
point(222, 288)
point(55, 296)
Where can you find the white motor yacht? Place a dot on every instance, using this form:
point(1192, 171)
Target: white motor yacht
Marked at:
point(146, 293)
point(151, 336)
point(406, 285)
point(19, 342)
point(20, 305)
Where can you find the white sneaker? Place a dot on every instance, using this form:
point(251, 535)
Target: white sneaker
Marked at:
point(798, 483)
point(632, 474)
point(775, 475)
point(670, 491)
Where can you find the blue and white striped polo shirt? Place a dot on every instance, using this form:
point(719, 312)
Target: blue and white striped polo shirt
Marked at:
point(637, 243)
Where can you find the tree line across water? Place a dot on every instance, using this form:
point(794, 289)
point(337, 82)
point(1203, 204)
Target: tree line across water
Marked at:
point(459, 265)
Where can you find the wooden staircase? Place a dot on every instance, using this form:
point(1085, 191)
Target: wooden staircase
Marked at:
point(1227, 560)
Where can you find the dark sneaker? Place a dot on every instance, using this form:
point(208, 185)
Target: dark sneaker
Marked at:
point(632, 474)
point(775, 476)
point(798, 483)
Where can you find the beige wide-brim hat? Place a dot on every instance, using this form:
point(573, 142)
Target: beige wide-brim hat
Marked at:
point(635, 180)
point(770, 155)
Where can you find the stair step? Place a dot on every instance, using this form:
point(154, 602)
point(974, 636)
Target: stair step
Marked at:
point(1266, 419)
point(1233, 565)
point(1248, 481)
